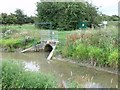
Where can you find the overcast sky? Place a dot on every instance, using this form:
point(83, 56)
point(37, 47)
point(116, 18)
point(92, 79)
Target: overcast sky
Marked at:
point(109, 7)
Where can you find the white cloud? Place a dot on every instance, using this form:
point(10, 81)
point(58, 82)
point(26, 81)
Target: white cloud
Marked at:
point(109, 7)
point(28, 6)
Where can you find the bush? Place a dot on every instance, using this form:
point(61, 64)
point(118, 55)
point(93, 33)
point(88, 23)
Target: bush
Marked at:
point(73, 84)
point(14, 76)
point(11, 72)
point(36, 80)
point(10, 44)
point(113, 58)
point(96, 46)
point(68, 50)
point(94, 53)
point(80, 52)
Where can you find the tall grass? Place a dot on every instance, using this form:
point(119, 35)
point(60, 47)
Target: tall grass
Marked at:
point(99, 47)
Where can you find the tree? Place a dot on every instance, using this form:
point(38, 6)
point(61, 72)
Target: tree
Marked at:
point(115, 18)
point(12, 19)
point(28, 19)
point(4, 18)
point(66, 15)
point(92, 15)
point(20, 16)
point(17, 18)
point(0, 19)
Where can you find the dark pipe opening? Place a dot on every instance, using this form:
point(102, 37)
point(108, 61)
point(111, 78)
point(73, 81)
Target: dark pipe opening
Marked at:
point(48, 48)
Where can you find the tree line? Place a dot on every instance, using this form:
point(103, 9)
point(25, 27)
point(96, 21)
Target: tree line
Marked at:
point(61, 15)
point(18, 17)
point(110, 18)
point(67, 15)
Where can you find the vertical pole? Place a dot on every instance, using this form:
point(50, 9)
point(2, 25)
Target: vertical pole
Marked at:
point(50, 31)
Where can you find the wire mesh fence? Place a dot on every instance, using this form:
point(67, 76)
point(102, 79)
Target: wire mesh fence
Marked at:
point(47, 35)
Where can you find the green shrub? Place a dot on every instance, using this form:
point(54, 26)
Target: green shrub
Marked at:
point(67, 51)
point(113, 58)
point(11, 72)
point(15, 76)
point(72, 84)
point(93, 45)
point(36, 80)
point(12, 44)
point(70, 50)
point(94, 52)
point(80, 52)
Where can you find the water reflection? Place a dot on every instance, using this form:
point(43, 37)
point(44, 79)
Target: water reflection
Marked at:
point(31, 66)
point(93, 85)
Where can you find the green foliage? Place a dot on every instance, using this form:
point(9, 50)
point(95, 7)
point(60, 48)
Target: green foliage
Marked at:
point(66, 15)
point(11, 72)
point(4, 18)
point(113, 58)
point(36, 80)
point(18, 18)
point(15, 37)
point(12, 44)
point(72, 84)
point(110, 18)
point(94, 52)
point(80, 52)
point(97, 47)
point(115, 18)
point(14, 76)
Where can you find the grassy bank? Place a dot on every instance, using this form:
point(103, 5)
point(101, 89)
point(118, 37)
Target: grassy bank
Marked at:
point(18, 37)
point(15, 37)
point(96, 47)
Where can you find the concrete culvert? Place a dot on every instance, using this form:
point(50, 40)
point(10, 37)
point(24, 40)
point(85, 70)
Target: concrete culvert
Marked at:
point(48, 48)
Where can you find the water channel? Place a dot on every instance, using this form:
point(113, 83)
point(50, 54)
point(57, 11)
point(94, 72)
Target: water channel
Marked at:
point(63, 70)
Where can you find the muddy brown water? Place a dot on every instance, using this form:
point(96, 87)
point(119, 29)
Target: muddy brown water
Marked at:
point(63, 70)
